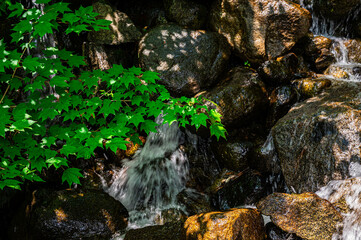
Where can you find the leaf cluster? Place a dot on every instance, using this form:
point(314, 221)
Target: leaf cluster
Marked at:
point(84, 111)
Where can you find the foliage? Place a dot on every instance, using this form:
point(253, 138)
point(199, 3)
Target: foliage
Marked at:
point(90, 109)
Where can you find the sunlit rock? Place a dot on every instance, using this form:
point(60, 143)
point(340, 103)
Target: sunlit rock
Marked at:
point(258, 29)
point(186, 13)
point(186, 60)
point(318, 51)
point(352, 50)
point(310, 87)
point(241, 97)
point(319, 138)
point(229, 225)
point(121, 30)
point(70, 214)
point(306, 215)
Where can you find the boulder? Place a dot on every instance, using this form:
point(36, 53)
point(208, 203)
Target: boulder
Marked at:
point(306, 215)
point(240, 97)
point(71, 214)
point(194, 201)
point(279, 71)
point(318, 51)
point(281, 100)
point(237, 189)
point(351, 48)
point(229, 225)
point(310, 87)
point(318, 139)
point(259, 30)
point(167, 231)
point(121, 30)
point(275, 233)
point(186, 13)
point(186, 60)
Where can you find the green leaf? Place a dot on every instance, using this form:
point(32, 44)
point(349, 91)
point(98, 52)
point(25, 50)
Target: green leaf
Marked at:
point(57, 162)
point(218, 130)
point(70, 17)
point(216, 116)
point(31, 63)
point(199, 119)
point(43, 28)
point(71, 175)
point(116, 143)
point(11, 183)
point(38, 164)
point(17, 9)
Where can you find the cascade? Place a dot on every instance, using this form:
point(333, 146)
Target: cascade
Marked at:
point(150, 182)
point(337, 189)
point(339, 32)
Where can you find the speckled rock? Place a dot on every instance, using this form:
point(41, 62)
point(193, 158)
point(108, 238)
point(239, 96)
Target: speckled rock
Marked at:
point(186, 13)
point(318, 50)
point(306, 215)
point(275, 233)
point(229, 225)
point(279, 71)
point(70, 214)
point(258, 29)
point(241, 97)
point(319, 138)
point(353, 47)
point(121, 30)
point(309, 87)
point(281, 100)
point(186, 60)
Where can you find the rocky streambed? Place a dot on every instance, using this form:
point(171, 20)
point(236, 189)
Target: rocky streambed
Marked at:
point(285, 75)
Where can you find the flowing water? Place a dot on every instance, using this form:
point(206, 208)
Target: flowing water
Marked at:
point(150, 182)
point(340, 34)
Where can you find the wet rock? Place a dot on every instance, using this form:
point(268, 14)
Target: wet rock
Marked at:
point(71, 214)
point(186, 13)
point(345, 72)
point(203, 165)
point(275, 233)
point(241, 97)
point(236, 189)
point(259, 30)
point(345, 195)
point(280, 70)
point(233, 224)
point(306, 215)
point(167, 231)
point(233, 153)
point(353, 48)
point(335, 9)
point(121, 30)
point(194, 202)
point(171, 215)
point(281, 100)
point(309, 87)
point(186, 60)
point(319, 138)
point(317, 49)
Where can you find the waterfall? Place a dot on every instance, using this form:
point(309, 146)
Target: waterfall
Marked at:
point(150, 182)
point(331, 29)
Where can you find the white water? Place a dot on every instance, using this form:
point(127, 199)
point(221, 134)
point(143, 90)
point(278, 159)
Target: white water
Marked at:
point(328, 28)
point(150, 182)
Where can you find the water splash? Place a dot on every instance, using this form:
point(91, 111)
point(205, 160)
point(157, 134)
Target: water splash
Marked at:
point(150, 182)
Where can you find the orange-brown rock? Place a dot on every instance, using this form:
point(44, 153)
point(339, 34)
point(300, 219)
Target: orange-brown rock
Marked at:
point(242, 224)
point(306, 214)
point(309, 87)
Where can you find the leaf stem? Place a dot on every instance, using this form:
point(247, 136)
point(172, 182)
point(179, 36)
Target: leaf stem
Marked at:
point(22, 54)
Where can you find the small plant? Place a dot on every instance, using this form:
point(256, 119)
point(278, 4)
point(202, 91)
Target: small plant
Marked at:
point(247, 64)
point(90, 109)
